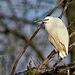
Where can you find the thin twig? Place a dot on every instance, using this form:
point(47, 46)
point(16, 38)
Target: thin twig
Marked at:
point(71, 23)
point(68, 71)
point(55, 8)
point(30, 65)
point(47, 59)
point(66, 6)
point(38, 62)
point(73, 33)
point(52, 58)
point(71, 29)
point(34, 62)
point(73, 44)
point(14, 67)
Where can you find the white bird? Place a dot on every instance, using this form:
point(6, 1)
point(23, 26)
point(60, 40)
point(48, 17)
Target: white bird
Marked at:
point(57, 34)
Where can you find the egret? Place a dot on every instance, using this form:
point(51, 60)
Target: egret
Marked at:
point(57, 35)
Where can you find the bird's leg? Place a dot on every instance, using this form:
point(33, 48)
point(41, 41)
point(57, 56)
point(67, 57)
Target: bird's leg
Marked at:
point(58, 58)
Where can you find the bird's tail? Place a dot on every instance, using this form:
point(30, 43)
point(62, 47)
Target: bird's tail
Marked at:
point(63, 54)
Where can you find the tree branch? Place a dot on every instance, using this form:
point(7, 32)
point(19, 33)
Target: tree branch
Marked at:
point(71, 24)
point(65, 8)
point(73, 33)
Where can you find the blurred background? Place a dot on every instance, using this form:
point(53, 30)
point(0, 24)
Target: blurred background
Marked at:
point(17, 26)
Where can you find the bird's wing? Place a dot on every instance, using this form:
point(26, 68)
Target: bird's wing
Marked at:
point(55, 41)
point(62, 34)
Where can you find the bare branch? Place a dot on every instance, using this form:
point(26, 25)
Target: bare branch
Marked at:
point(73, 44)
point(71, 23)
point(48, 58)
point(72, 34)
point(55, 8)
point(66, 6)
point(30, 65)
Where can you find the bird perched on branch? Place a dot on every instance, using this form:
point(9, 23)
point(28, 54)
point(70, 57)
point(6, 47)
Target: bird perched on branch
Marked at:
point(57, 35)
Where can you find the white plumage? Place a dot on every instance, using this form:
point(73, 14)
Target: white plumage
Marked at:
point(57, 35)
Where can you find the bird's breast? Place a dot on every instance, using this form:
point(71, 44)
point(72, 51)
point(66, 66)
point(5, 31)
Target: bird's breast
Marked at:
point(51, 28)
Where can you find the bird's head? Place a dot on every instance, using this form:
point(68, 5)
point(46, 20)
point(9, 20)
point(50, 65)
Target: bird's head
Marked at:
point(47, 19)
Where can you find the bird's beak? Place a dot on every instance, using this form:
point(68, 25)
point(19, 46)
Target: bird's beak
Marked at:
point(41, 20)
